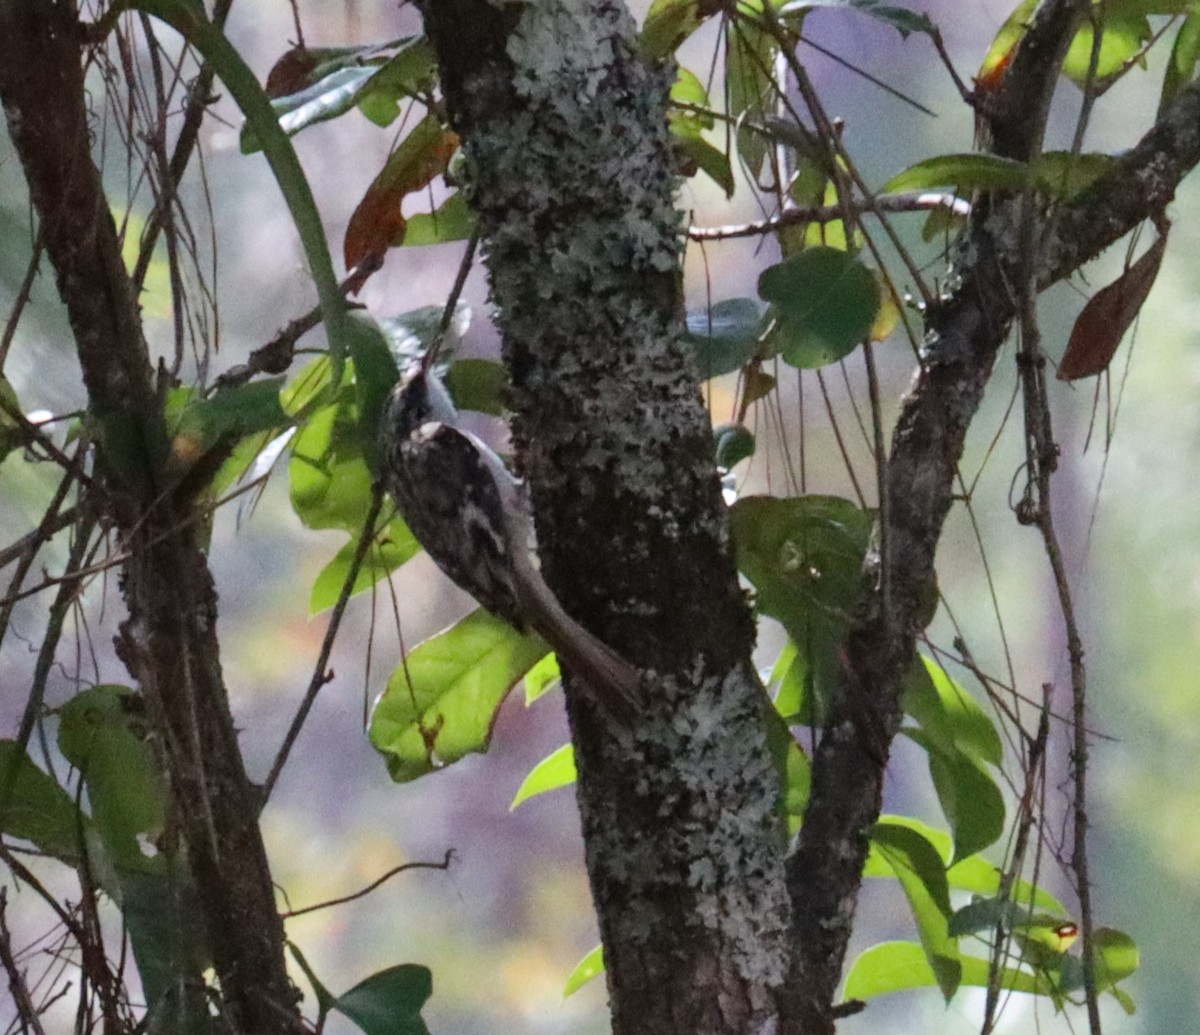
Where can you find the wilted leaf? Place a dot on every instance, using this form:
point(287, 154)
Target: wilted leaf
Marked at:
point(378, 223)
point(1004, 46)
point(1108, 315)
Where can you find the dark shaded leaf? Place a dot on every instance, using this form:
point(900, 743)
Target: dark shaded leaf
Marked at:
point(825, 302)
point(735, 442)
point(389, 1003)
point(478, 384)
point(1108, 315)
point(726, 335)
point(1181, 66)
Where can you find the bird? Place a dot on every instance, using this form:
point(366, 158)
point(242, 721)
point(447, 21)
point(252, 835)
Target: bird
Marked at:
point(474, 519)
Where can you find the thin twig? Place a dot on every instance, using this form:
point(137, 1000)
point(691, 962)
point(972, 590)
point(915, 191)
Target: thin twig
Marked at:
point(26, 1010)
point(443, 865)
point(1036, 508)
point(21, 301)
point(923, 201)
point(320, 676)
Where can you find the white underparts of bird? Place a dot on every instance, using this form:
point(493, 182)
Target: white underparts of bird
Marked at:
point(473, 518)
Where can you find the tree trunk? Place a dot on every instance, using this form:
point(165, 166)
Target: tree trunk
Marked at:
point(169, 641)
point(569, 167)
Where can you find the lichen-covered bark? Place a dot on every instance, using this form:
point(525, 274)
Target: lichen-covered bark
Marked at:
point(168, 640)
point(570, 170)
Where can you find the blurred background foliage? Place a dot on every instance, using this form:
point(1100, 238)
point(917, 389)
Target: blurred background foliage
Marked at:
point(504, 926)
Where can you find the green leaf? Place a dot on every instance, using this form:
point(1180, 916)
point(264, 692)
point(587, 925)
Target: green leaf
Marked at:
point(970, 799)
point(390, 548)
point(1181, 66)
point(375, 375)
point(410, 335)
point(1115, 956)
point(750, 91)
point(407, 73)
point(102, 732)
point(735, 443)
point(974, 874)
point(898, 966)
point(710, 160)
point(542, 677)
point(389, 1002)
point(1061, 174)
point(804, 556)
point(964, 172)
point(919, 869)
point(441, 703)
point(331, 484)
point(948, 714)
point(789, 677)
point(453, 220)
point(901, 19)
point(478, 384)
point(669, 22)
point(588, 968)
point(792, 765)
point(33, 807)
point(688, 123)
point(825, 302)
point(11, 435)
point(232, 414)
point(170, 946)
point(1120, 44)
point(985, 914)
point(554, 771)
point(725, 335)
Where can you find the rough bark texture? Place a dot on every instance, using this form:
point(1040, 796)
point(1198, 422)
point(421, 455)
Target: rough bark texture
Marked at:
point(964, 332)
point(570, 170)
point(168, 641)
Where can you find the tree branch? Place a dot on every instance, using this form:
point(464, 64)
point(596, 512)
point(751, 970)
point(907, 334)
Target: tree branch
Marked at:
point(168, 641)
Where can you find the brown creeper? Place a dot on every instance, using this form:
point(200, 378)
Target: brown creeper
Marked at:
point(473, 518)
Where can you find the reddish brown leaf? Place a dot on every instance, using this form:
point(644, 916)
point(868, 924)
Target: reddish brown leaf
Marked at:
point(1105, 319)
point(290, 73)
point(378, 223)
